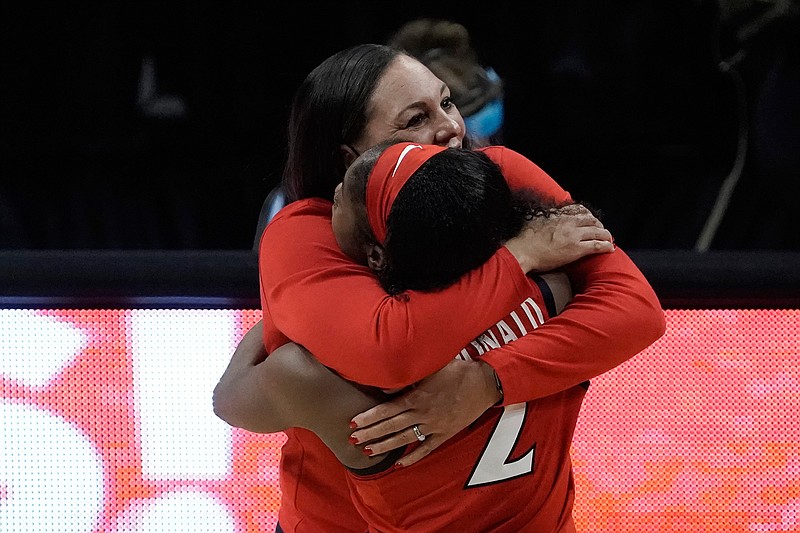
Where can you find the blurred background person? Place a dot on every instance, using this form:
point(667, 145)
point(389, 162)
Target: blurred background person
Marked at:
point(161, 128)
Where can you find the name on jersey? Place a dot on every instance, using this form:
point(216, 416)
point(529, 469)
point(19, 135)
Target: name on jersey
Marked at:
point(527, 317)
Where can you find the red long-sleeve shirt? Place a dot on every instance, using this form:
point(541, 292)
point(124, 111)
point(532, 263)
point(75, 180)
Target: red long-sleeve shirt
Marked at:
point(315, 296)
point(508, 472)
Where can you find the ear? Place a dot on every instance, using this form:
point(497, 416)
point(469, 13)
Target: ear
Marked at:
point(376, 257)
point(348, 155)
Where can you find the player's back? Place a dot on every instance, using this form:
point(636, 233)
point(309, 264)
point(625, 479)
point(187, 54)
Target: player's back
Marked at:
point(509, 471)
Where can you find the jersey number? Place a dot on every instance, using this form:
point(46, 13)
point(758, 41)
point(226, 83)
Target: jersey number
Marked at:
point(494, 464)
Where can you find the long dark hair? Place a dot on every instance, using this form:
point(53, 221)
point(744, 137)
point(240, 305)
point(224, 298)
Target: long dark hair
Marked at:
point(330, 109)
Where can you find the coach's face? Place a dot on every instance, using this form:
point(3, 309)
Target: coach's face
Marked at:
point(411, 104)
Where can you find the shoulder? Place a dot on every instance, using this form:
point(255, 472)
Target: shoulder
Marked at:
point(522, 173)
point(508, 158)
point(305, 219)
point(311, 207)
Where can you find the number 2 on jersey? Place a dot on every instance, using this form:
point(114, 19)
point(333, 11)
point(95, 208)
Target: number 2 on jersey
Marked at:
point(494, 464)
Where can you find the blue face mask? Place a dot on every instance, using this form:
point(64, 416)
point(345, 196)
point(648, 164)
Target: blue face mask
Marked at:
point(487, 121)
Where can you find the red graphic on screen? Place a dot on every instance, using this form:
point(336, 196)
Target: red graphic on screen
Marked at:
point(698, 433)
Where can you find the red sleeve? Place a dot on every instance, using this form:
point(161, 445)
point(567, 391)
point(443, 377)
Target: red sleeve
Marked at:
point(320, 299)
point(522, 173)
point(337, 309)
point(614, 315)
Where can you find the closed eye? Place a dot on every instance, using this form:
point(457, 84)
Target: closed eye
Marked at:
point(416, 120)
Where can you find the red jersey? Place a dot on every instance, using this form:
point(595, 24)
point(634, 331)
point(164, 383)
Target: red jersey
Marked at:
point(508, 472)
point(316, 296)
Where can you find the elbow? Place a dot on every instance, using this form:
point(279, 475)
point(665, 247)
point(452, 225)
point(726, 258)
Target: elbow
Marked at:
point(644, 322)
point(653, 323)
point(219, 407)
point(661, 326)
point(222, 405)
point(659, 317)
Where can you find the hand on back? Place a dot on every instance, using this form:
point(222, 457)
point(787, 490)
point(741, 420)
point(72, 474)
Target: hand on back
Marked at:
point(547, 243)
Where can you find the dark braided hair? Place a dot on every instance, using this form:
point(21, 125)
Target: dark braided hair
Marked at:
point(450, 217)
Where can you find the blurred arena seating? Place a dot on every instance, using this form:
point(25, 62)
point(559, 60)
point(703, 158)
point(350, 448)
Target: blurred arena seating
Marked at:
point(143, 126)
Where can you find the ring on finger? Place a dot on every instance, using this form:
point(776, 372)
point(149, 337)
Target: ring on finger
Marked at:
point(417, 433)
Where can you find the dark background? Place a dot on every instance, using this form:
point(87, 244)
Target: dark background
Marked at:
point(623, 102)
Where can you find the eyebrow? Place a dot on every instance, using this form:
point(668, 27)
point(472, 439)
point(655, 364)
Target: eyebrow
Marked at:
point(420, 103)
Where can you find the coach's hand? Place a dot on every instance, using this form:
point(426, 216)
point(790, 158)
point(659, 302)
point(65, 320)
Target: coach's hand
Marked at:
point(439, 406)
point(566, 235)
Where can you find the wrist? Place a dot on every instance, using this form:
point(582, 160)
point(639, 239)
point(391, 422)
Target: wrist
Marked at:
point(498, 387)
point(492, 384)
point(526, 262)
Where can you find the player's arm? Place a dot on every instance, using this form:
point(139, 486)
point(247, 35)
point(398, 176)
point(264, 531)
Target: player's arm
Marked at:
point(294, 379)
point(243, 395)
point(271, 394)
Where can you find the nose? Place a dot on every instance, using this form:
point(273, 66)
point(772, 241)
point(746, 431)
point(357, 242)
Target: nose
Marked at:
point(450, 133)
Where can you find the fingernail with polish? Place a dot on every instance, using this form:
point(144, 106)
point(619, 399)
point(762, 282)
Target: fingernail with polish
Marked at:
point(353, 439)
point(353, 424)
point(367, 451)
